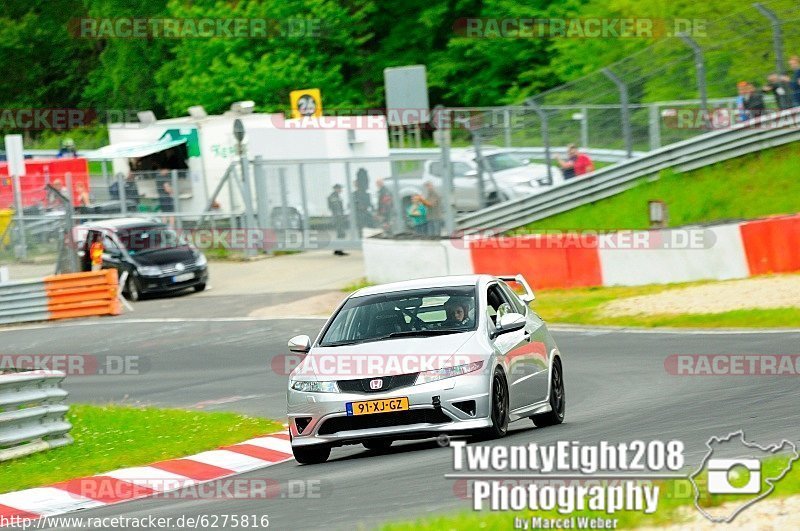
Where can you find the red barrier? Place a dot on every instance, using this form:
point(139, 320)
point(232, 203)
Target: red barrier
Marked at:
point(772, 245)
point(547, 261)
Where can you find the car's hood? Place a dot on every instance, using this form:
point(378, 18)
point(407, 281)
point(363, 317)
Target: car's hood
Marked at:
point(164, 257)
point(386, 358)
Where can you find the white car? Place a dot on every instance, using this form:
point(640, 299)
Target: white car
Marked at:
point(421, 358)
point(506, 175)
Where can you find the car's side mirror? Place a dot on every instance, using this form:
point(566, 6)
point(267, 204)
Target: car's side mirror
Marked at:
point(509, 322)
point(300, 344)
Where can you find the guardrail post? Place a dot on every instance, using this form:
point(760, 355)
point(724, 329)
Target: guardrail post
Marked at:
point(625, 109)
point(700, 66)
point(777, 35)
point(545, 137)
point(654, 126)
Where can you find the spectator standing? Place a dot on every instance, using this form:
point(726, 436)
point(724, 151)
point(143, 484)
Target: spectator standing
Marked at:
point(385, 205)
point(433, 206)
point(583, 164)
point(418, 215)
point(576, 163)
point(794, 80)
point(779, 87)
point(336, 206)
point(751, 103)
point(166, 200)
point(361, 201)
point(96, 252)
point(131, 190)
point(84, 200)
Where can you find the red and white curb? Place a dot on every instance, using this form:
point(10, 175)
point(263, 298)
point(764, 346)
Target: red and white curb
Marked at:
point(144, 481)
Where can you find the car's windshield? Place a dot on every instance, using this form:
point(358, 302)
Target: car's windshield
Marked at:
point(143, 239)
point(421, 312)
point(504, 161)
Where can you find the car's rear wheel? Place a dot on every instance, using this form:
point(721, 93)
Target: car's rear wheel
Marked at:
point(311, 455)
point(499, 405)
point(377, 445)
point(558, 403)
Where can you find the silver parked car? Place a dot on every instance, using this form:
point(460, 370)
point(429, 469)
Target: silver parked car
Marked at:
point(420, 358)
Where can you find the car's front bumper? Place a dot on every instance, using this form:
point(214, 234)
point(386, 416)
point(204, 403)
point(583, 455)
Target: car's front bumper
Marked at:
point(166, 283)
point(330, 424)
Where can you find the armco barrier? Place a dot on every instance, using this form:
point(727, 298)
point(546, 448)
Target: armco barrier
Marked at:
point(729, 251)
point(31, 413)
point(60, 296)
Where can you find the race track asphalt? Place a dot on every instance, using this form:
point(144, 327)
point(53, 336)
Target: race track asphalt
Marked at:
point(617, 390)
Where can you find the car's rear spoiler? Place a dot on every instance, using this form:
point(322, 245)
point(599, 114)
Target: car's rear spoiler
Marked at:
point(519, 279)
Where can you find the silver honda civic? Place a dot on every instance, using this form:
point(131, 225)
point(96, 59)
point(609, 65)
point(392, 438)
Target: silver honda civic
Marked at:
point(420, 358)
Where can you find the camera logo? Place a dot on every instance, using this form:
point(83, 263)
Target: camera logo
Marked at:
point(740, 472)
point(734, 476)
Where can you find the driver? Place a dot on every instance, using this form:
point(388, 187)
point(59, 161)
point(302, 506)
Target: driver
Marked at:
point(457, 313)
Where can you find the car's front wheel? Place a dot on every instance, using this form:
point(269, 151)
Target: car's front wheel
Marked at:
point(499, 405)
point(132, 288)
point(558, 403)
point(311, 455)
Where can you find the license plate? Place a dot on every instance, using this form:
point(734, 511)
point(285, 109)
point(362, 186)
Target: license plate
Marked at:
point(384, 405)
point(183, 278)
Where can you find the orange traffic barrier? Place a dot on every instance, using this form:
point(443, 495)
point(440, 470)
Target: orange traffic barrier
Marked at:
point(772, 245)
point(83, 294)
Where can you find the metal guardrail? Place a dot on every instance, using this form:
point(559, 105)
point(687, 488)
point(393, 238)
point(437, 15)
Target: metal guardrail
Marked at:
point(766, 131)
point(603, 155)
point(60, 297)
point(32, 417)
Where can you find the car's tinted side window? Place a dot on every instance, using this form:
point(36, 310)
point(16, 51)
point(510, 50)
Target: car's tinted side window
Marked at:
point(496, 302)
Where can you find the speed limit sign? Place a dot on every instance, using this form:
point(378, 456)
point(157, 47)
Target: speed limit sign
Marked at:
point(306, 102)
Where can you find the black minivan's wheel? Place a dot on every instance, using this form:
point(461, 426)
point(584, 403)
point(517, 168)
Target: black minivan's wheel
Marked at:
point(558, 403)
point(311, 455)
point(499, 404)
point(132, 289)
point(377, 445)
point(200, 287)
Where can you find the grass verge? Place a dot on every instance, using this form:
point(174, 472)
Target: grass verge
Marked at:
point(675, 506)
point(585, 306)
point(112, 437)
point(751, 186)
point(356, 285)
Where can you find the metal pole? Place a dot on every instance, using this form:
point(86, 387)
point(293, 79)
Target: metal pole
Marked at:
point(700, 66)
point(23, 244)
point(354, 229)
point(304, 199)
point(284, 205)
point(123, 200)
point(654, 118)
point(626, 111)
point(585, 127)
point(260, 182)
point(399, 215)
point(445, 127)
point(476, 140)
point(250, 222)
point(545, 137)
point(176, 199)
point(777, 35)
point(507, 126)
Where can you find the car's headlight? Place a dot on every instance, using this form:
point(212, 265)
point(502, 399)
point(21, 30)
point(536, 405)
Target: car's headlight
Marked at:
point(314, 387)
point(201, 260)
point(150, 271)
point(448, 372)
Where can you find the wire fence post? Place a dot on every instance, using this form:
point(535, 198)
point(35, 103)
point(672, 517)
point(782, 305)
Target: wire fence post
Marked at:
point(176, 200)
point(22, 250)
point(545, 137)
point(585, 127)
point(355, 229)
point(507, 126)
point(304, 200)
point(777, 35)
point(700, 67)
point(624, 109)
point(445, 123)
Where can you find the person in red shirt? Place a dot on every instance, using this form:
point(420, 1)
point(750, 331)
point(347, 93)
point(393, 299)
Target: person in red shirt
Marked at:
point(576, 163)
point(96, 252)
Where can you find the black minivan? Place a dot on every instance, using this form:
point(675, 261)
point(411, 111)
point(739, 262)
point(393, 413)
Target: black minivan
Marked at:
point(156, 258)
